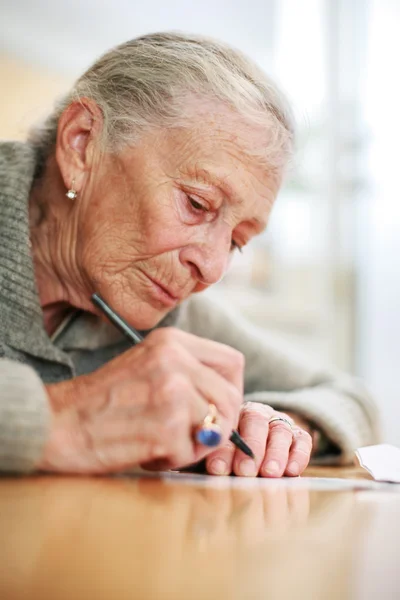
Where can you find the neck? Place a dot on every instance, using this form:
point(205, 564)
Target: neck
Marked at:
point(51, 252)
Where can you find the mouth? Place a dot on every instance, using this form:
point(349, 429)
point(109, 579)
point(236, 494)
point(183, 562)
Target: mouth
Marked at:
point(162, 293)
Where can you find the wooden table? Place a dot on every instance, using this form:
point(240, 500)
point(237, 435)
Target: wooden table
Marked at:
point(68, 538)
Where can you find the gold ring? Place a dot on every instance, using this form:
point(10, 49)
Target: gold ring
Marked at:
point(281, 419)
point(208, 433)
point(211, 416)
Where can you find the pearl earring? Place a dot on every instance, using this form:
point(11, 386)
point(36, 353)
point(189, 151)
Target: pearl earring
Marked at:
point(72, 193)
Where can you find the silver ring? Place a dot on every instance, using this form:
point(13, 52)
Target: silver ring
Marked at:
point(281, 419)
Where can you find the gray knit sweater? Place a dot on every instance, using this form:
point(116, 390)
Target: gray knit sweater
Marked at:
point(275, 374)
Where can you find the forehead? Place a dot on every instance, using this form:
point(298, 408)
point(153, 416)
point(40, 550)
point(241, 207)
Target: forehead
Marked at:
point(228, 153)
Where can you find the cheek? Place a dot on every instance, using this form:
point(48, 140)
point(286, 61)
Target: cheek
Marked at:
point(165, 224)
point(164, 231)
point(107, 241)
point(167, 239)
point(122, 227)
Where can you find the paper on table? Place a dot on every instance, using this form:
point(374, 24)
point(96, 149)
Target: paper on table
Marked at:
point(381, 461)
point(310, 483)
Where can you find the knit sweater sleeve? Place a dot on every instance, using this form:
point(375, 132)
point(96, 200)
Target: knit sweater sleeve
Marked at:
point(276, 374)
point(24, 416)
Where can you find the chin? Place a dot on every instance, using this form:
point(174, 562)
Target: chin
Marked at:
point(145, 317)
point(136, 311)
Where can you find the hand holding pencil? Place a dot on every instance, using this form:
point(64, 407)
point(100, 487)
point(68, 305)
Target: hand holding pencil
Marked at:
point(147, 405)
point(208, 433)
point(280, 446)
point(143, 406)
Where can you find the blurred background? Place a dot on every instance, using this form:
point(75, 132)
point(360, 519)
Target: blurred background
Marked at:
point(326, 273)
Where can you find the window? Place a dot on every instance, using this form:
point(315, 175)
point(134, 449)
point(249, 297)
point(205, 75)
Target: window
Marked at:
point(298, 277)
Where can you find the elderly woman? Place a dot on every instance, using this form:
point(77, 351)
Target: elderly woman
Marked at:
point(165, 158)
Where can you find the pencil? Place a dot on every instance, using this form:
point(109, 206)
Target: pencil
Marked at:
point(135, 337)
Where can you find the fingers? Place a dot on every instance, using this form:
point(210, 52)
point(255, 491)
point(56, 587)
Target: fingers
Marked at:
point(278, 448)
point(181, 394)
point(215, 389)
point(123, 434)
point(210, 386)
point(300, 453)
point(220, 461)
point(212, 369)
point(280, 438)
point(227, 361)
point(253, 428)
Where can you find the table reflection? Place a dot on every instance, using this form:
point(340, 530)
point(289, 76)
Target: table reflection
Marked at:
point(144, 538)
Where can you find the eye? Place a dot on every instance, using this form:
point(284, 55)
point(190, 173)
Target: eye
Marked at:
point(196, 204)
point(235, 246)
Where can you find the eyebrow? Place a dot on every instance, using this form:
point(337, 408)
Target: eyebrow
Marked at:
point(205, 176)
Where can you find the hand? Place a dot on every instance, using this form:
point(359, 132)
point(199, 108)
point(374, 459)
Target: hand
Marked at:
point(144, 405)
point(278, 449)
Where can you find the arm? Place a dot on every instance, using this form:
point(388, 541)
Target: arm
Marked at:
point(24, 417)
point(140, 408)
point(336, 403)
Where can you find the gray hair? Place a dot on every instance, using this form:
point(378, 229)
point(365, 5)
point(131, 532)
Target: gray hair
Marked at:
point(148, 81)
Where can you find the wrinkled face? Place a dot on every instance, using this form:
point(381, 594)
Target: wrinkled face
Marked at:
point(161, 221)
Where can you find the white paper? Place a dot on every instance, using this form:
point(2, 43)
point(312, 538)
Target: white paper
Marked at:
point(381, 461)
point(309, 483)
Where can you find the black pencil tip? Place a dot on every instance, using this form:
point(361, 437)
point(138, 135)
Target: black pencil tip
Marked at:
point(241, 444)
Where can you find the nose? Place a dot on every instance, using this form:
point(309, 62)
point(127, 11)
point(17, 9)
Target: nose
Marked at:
point(208, 259)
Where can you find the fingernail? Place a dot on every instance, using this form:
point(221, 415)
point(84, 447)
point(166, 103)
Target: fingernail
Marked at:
point(247, 468)
point(293, 468)
point(272, 467)
point(219, 467)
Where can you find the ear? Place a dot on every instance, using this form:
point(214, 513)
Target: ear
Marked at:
point(78, 136)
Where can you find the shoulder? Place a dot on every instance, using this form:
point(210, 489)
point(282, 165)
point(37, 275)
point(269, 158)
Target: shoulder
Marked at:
point(17, 168)
point(16, 156)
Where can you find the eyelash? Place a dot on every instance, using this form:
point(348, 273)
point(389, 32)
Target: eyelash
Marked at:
point(197, 207)
point(235, 246)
